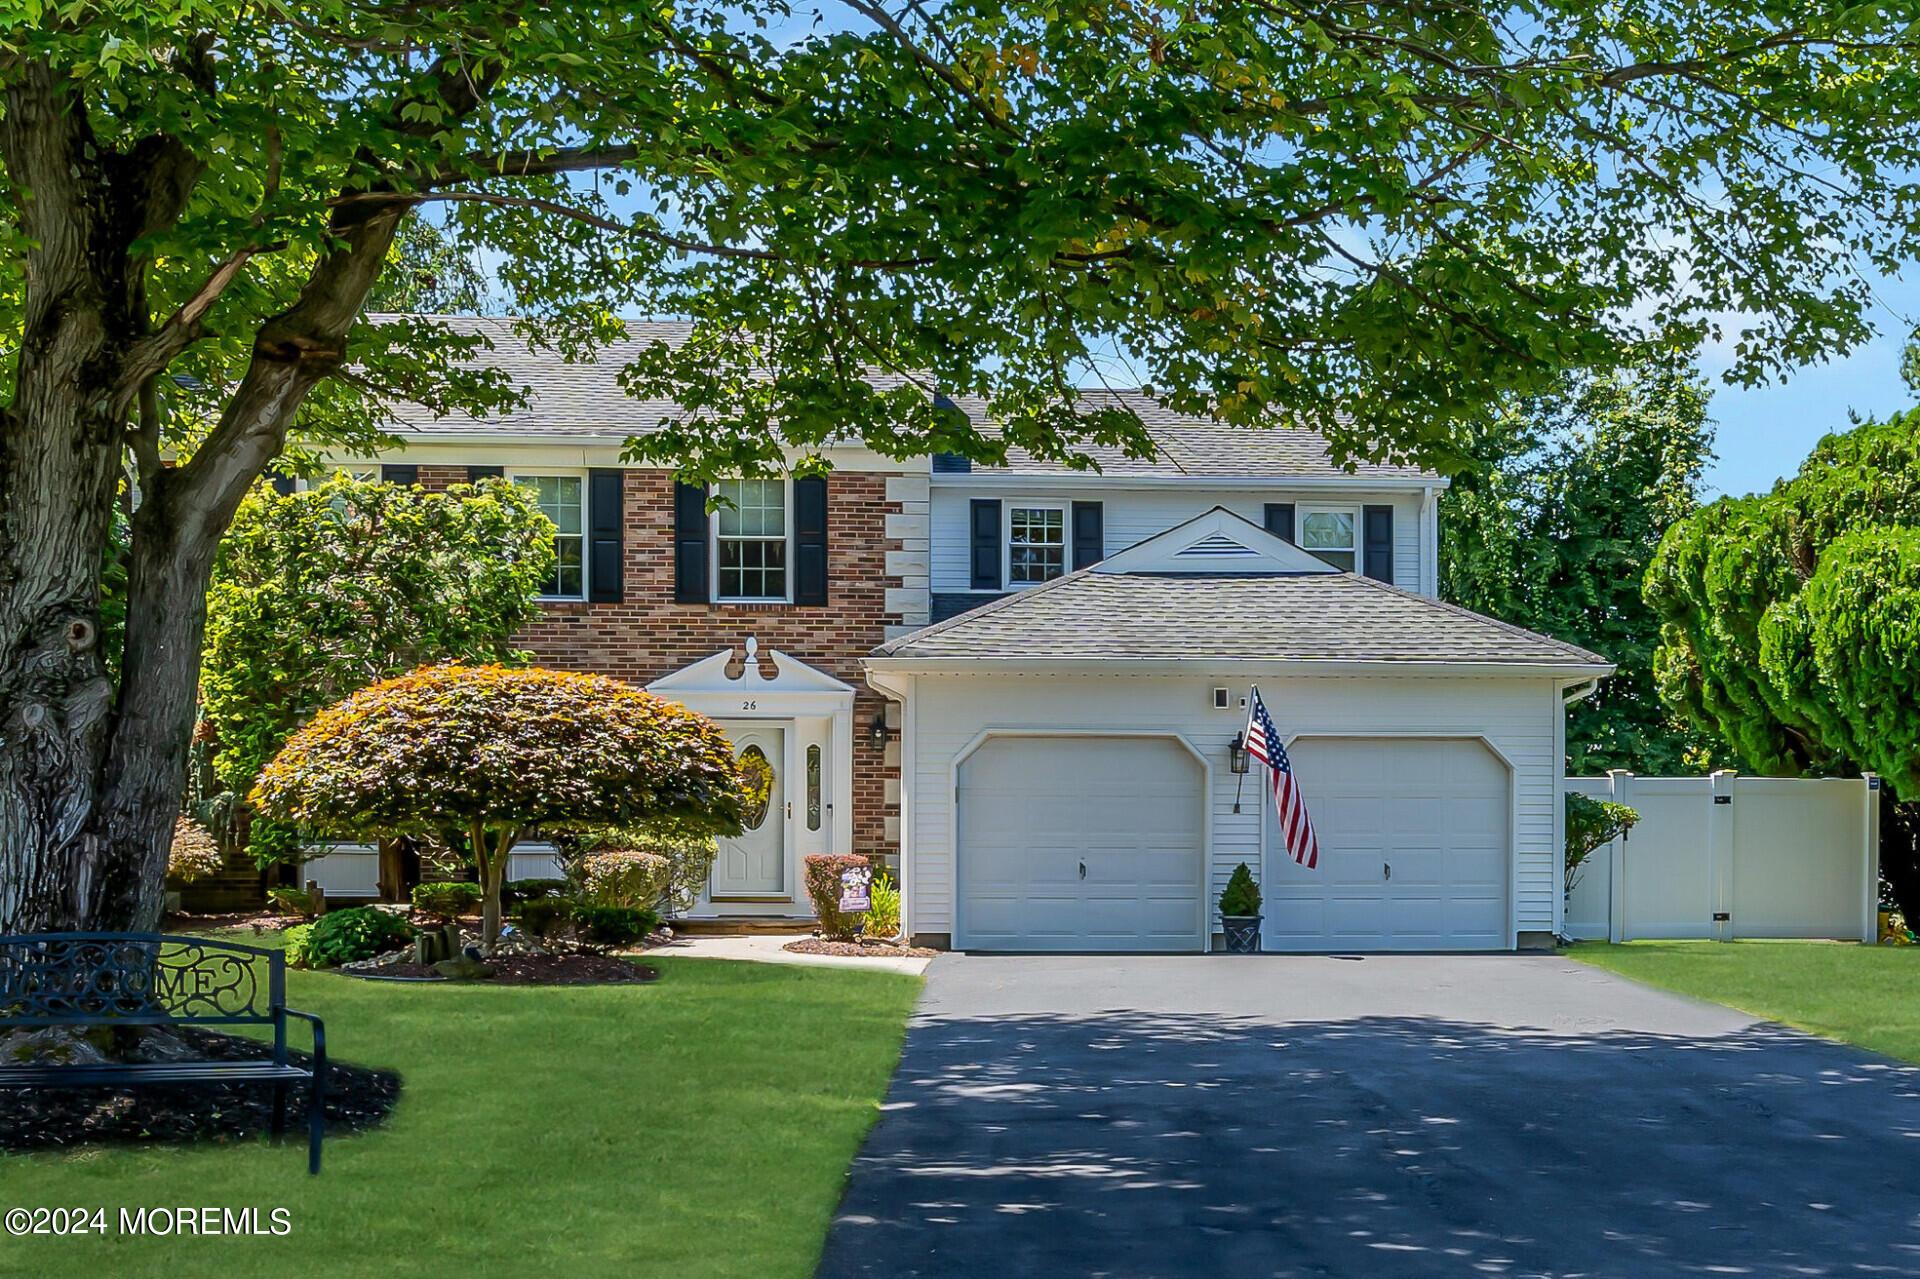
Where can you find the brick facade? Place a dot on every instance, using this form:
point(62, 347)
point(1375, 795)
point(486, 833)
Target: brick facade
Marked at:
point(648, 635)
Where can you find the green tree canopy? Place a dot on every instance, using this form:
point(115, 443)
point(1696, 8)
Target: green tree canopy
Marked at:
point(318, 593)
point(1374, 220)
point(1554, 528)
point(489, 752)
point(1789, 624)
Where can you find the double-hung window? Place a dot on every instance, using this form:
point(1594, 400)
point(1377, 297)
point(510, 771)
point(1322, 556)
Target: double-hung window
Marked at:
point(561, 499)
point(750, 540)
point(1036, 544)
point(1332, 533)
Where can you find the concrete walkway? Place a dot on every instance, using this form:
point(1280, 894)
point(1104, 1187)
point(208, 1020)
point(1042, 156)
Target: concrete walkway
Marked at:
point(1408, 1116)
point(765, 948)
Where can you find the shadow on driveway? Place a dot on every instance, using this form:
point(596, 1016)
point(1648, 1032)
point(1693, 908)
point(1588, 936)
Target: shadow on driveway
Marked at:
point(1163, 1144)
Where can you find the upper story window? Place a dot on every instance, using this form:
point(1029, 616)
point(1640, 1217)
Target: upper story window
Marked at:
point(1036, 543)
point(561, 500)
point(750, 540)
point(1332, 534)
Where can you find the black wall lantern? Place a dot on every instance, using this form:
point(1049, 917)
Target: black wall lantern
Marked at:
point(1237, 754)
point(878, 733)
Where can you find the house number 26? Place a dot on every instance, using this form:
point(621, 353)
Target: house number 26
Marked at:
point(749, 706)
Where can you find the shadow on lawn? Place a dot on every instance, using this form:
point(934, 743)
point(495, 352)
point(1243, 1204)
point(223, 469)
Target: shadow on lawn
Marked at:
point(1152, 1145)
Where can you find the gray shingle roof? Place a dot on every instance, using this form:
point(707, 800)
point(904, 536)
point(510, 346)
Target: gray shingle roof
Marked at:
point(584, 400)
point(565, 398)
point(1195, 447)
point(1340, 617)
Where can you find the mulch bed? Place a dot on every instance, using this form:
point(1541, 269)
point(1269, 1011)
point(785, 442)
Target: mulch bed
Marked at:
point(535, 970)
point(857, 950)
point(60, 1118)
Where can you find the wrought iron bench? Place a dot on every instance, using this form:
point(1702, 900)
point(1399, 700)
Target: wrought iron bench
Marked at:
point(147, 979)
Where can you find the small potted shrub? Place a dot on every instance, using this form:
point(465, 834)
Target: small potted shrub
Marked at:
point(1240, 912)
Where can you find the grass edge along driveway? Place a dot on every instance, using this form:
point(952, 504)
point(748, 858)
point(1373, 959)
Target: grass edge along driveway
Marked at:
point(701, 1125)
point(1868, 996)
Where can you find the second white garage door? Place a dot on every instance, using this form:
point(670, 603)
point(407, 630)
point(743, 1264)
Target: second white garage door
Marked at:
point(1414, 849)
point(1080, 844)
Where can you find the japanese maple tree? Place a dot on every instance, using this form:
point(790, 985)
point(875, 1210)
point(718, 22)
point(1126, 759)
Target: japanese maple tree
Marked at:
point(491, 752)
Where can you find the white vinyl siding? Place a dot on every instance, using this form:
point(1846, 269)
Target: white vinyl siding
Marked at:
point(1517, 715)
point(1133, 515)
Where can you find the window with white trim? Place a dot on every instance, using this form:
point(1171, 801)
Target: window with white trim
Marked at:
point(1333, 534)
point(561, 498)
point(750, 540)
point(1036, 544)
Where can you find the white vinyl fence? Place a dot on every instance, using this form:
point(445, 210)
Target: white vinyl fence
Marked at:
point(1727, 856)
point(353, 870)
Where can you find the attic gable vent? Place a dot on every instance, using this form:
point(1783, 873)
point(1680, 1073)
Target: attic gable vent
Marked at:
point(1214, 546)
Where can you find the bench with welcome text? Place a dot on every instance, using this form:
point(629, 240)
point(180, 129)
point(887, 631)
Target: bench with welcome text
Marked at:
point(146, 979)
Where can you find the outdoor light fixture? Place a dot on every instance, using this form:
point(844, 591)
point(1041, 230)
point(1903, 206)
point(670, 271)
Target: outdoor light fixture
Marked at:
point(878, 734)
point(1237, 754)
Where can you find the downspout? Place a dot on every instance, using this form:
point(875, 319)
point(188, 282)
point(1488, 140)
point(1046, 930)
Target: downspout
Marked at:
point(899, 688)
point(1430, 542)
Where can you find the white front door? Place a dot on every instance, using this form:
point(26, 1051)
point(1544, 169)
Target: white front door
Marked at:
point(1081, 844)
point(753, 864)
point(1414, 849)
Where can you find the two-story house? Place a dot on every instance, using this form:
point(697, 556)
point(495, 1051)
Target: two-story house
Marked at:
point(1022, 686)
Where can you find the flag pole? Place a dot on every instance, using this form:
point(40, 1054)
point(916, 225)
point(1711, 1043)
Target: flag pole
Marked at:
point(1241, 782)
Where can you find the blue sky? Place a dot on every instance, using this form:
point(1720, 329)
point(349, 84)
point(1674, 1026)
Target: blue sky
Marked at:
point(1766, 432)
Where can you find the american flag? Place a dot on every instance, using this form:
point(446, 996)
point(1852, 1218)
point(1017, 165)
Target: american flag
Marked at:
point(1263, 743)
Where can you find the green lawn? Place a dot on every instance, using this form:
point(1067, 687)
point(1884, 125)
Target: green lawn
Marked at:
point(1866, 995)
point(700, 1125)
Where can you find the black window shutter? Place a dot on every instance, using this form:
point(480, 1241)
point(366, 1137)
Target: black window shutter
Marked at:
point(606, 528)
point(477, 473)
point(396, 473)
point(690, 525)
point(1089, 537)
point(986, 544)
point(810, 540)
point(283, 482)
point(1378, 525)
point(1280, 520)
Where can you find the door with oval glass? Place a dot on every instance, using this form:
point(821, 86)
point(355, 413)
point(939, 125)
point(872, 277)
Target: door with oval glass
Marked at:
point(753, 864)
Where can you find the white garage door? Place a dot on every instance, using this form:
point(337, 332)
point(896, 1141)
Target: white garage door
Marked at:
point(1080, 844)
point(1414, 849)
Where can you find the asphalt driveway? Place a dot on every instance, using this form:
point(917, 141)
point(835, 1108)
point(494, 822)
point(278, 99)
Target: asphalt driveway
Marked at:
point(1405, 1116)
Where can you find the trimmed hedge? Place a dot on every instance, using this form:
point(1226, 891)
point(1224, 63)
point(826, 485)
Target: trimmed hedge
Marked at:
point(624, 877)
point(448, 900)
point(823, 888)
point(610, 927)
point(532, 890)
point(344, 936)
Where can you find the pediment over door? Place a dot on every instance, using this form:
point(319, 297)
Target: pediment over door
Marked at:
point(724, 682)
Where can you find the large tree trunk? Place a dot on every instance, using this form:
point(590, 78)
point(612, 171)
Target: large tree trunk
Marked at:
point(59, 469)
point(90, 782)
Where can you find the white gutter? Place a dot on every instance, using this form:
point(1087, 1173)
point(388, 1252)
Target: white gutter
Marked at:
point(1580, 692)
point(883, 666)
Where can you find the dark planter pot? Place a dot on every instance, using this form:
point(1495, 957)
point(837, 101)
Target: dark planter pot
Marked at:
point(1243, 933)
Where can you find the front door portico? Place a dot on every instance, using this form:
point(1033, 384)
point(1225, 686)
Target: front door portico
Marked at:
point(792, 731)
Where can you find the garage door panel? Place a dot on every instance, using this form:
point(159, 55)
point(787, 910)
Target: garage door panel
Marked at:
point(1436, 810)
point(1127, 809)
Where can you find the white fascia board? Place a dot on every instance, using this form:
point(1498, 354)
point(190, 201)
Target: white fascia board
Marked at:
point(1096, 480)
point(1203, 665)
